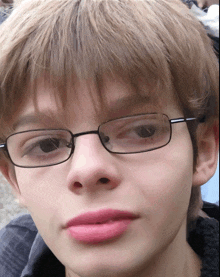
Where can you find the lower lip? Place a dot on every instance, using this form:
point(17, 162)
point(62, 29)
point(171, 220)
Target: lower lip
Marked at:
point(96, 233)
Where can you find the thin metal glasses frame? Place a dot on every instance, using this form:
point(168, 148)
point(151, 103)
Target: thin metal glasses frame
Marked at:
point(4, 147)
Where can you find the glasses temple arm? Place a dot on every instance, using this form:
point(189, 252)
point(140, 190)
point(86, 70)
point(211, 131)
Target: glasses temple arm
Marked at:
point(3, 146)
point(177, 120)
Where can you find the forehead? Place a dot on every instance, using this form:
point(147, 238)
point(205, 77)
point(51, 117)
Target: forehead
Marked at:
point(88, 100)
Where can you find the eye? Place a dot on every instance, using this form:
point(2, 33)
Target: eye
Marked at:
point(145, 131)
point(48, 145)
point(44, 146)
point(138, 131)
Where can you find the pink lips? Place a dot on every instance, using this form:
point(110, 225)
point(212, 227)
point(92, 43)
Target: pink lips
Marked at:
point(95, 227)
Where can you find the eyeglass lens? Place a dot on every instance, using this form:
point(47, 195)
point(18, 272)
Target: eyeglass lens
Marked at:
point(136, 134)
point(40, 147)
point(126, 135)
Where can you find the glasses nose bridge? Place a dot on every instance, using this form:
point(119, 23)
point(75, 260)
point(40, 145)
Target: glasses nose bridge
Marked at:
point(85, 133)
point(74, 136)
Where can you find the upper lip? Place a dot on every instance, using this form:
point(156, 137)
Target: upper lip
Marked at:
point(100, 216)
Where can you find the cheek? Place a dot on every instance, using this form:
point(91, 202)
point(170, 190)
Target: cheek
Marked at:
point(42, 190)
point(164, 181)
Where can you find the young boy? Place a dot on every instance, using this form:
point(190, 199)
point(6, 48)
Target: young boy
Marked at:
point(109, 127)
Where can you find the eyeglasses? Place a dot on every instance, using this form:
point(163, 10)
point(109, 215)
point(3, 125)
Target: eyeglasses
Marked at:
point(126, 135)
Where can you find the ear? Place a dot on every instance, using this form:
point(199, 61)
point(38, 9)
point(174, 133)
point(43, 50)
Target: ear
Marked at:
point(8, 171)
point(208, 148)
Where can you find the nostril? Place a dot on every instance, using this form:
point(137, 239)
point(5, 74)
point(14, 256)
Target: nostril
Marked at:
point(77, 185)
point(104, 180)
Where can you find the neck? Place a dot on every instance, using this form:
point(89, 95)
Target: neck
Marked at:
point(177, 260)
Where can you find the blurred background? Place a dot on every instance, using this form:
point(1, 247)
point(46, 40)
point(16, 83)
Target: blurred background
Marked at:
point(210, 191)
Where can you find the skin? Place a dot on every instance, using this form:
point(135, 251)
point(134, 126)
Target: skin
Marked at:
point(155, 185)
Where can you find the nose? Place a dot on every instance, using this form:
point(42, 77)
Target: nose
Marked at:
point(91, 166)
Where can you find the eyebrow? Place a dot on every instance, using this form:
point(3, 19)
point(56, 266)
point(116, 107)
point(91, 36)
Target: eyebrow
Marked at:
point(32, 118)
point(129, 102)
point(121, 104)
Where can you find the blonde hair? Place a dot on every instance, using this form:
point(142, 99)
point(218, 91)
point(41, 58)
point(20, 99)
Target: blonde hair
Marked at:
point(158, 40)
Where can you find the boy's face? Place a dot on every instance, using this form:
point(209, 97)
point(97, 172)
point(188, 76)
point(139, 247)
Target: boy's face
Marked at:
point(155, 185)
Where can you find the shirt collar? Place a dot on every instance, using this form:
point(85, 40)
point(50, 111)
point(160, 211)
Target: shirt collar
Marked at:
point(42, 262)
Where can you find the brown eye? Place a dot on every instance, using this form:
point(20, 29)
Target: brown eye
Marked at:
point(49, 145)
point(145, 131)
